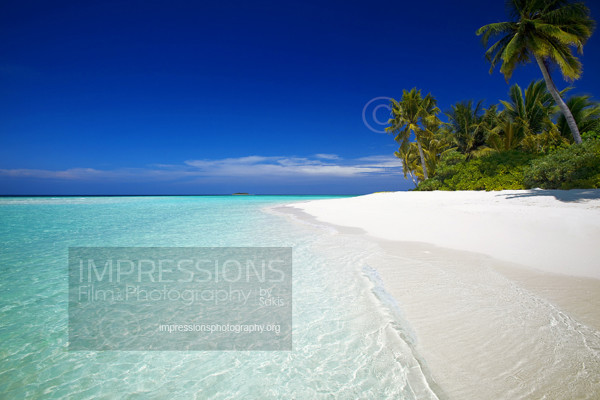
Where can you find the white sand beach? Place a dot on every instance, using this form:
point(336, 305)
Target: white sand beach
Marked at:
point(502, 289)
point(554, 231)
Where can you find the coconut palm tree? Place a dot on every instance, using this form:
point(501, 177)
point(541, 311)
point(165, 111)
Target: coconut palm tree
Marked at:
point(545, 30)
point(434, 147)
point(506, 136)
point(409, 116)
point(410, 161)
point(533, 110)
point(586, 113)
point(468, 125)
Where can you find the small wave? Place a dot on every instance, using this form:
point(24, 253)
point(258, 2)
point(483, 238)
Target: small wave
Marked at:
point(390, 302)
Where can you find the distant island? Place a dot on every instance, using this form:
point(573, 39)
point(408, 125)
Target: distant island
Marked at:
point(241, 194)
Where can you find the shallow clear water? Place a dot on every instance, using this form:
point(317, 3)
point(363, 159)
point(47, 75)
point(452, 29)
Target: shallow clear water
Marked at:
point(348, 342)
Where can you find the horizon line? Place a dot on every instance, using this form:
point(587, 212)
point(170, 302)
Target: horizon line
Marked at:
point(178, 195)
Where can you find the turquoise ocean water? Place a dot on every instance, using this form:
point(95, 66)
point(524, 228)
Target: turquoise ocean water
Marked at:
point(348, 343)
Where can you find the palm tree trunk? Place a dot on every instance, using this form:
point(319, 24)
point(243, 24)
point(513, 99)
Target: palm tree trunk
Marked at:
point(559, 101)
point(422, 160)
point(412, 177)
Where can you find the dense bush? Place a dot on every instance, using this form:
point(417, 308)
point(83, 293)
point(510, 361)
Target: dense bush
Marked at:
point(496, 171)
point(590, 135)
point(577, 166)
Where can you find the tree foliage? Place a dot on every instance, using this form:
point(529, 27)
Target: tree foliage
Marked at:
point(495, 171)
point(586, 113)
point(468, 125)
point(544, 28)
point(532, 110)
point(414, 115)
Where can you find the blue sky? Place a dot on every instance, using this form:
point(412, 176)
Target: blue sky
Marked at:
point(196, 97)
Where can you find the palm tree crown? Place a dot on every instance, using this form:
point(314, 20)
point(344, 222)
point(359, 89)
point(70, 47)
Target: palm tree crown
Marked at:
point(544, 28)
point(533, 109)
point(586, 113)
point(468, 125)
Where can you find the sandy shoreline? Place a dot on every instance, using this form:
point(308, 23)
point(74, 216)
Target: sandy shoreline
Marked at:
point(501, 288)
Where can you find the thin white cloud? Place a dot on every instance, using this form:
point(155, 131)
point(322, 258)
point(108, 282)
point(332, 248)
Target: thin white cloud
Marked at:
point(72, 173)
point(382, 161)
point(256, 166)
point(295, 166)
point(327, 156)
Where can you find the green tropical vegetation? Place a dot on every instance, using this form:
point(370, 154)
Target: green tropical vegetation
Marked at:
point(568, 168)
point(414, 115)
point(534, 138)
point(497, 171)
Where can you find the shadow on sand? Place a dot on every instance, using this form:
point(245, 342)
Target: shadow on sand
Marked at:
point(568, 196)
